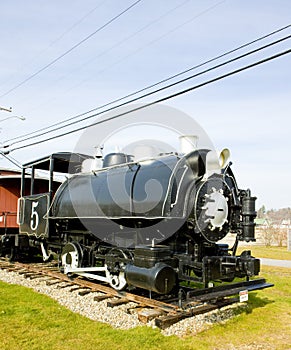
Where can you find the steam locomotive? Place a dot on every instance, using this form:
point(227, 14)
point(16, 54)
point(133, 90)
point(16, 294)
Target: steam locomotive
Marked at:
point(147, 224)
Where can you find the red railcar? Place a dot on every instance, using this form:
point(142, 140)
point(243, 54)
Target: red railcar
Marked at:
point(10, 181)
point(42, 177)
point(10, 186)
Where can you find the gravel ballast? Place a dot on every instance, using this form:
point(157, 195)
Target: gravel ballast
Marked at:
point(122, 316)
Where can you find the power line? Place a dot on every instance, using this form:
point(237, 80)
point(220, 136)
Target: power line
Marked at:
point(155, 91)
point(159, 100)
point(74, 25)
point(137, 92)
point(11, 159)
point(71, 49)
point(119, 43)
point(124, 58)
point(106, 51)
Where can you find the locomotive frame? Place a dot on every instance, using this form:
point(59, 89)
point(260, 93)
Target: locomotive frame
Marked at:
point(132, 247)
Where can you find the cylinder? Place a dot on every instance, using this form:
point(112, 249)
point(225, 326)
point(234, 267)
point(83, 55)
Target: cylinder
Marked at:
point(160, 279)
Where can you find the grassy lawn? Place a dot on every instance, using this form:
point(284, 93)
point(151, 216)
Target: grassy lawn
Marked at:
point(280, 253)
point(34, 321)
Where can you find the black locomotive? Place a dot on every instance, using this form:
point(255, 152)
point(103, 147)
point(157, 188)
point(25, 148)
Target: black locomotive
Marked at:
point(149, 224)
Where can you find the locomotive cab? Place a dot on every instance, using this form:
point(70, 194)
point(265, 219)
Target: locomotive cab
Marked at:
point(35, 201)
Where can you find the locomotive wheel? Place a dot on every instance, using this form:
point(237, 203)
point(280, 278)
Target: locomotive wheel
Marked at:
point(116, 281)
point(72, 255)
point(11, 255)
point(116, 276)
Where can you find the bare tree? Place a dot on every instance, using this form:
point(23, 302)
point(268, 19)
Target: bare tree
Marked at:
point(280, 236)
point(268, 235)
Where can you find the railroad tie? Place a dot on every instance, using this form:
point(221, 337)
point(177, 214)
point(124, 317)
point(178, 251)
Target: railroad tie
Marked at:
point(102, 297)
point(117, 302)
point(146, 315)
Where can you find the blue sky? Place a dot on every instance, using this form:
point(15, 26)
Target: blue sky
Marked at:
point(249, 113)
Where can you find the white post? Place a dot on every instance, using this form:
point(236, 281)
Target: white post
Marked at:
point(289, 239)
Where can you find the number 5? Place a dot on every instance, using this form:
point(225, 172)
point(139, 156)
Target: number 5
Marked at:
point(34, 217)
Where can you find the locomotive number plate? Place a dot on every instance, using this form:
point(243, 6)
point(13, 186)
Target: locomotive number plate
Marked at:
point(33, 212)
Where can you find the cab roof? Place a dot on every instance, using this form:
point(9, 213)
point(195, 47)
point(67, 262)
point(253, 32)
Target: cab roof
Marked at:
point(63, 162)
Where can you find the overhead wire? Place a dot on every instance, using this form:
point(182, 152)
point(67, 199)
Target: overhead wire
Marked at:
point(25, 138)
point(73, 26)
point(163, 99)
point(106, 51)
point(119, 43)
point(11, 159)
point(124, 58)
point(155, 91)
point(71, 49)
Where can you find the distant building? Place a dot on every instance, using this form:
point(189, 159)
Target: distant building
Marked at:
point(263, 222)
point(285, 224)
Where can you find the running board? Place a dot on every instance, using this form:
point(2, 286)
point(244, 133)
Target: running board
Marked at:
point(206, 294)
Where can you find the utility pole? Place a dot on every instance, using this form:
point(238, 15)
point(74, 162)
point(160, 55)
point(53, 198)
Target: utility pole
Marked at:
point(6, 109)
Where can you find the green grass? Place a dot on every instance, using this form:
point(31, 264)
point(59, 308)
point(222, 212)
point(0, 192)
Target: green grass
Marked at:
point(280, 253)
point(267, 320)
point(34, 321)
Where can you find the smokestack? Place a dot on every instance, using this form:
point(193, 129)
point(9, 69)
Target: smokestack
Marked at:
point(188, 143)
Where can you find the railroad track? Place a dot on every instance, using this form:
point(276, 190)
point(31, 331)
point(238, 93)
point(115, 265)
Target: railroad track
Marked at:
point(165, 312)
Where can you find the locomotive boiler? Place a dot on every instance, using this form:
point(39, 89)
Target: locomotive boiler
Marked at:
point(148, 224)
